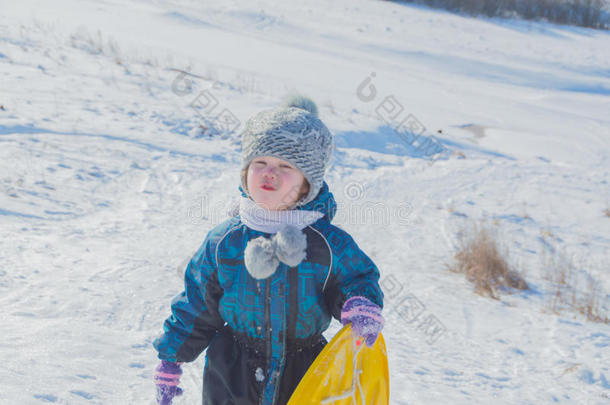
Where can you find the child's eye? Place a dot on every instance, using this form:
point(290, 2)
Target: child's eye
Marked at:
point(285, 167)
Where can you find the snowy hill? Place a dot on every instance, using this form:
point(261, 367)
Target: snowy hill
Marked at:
point(114, 165)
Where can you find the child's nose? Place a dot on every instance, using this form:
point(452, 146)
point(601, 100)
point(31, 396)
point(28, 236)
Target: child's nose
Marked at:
point(270, 171)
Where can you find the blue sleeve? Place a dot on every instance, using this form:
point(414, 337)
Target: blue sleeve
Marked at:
point(195, 319)
point(353, 274)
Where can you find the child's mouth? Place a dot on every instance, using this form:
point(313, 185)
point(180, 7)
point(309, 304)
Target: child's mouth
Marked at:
point(267, 187)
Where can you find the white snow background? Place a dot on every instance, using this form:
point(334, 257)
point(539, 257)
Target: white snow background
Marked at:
point(108, 183)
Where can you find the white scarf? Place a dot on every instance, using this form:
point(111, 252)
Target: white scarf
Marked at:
point(264, 220)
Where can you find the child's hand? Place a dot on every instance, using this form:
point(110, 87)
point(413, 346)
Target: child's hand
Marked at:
point(365, 317)
point(167, 378)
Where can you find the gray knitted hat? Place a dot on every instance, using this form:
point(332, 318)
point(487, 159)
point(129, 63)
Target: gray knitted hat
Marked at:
point(293, 133)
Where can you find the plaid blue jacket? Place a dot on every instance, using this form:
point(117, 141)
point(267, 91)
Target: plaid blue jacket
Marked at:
point(295, 302)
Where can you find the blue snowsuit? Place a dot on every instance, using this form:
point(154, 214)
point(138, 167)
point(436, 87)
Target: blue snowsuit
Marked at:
point(262, 335)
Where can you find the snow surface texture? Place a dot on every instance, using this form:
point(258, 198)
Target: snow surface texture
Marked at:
point(113, 167)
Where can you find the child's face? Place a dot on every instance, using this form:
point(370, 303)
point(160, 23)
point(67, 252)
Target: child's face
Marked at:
point(273, 183)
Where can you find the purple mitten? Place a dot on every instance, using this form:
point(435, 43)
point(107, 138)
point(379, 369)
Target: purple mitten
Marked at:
point(167, 378)
point(365, 317)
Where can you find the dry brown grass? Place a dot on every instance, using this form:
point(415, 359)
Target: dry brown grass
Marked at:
point(479, 257)
point(571, 290)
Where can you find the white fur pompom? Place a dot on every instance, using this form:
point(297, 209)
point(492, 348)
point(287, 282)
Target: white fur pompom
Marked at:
point(302, 102)
point(291, 245)
point(260, 258)
point(262, 255)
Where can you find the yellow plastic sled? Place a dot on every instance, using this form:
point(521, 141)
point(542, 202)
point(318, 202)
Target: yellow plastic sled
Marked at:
point(346, 372)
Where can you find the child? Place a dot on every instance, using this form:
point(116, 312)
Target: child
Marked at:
point(264, 284)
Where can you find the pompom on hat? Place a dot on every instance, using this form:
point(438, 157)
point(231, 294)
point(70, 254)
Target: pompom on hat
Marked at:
point(294, 133)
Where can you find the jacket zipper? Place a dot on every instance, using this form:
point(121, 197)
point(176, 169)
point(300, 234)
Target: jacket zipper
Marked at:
point(283, 332)
point(287, 284)
point(267, 333)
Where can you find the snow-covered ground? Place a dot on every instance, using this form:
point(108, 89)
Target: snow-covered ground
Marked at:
point(108, 183)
